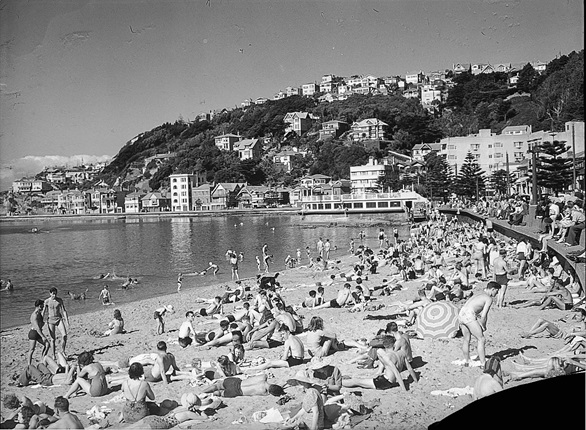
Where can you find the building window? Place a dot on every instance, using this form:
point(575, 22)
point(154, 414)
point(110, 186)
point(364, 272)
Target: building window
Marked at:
point(498, 145)
point(489, 146)
point(498, 155)
point(518, 145)
point(475, 146)
point(174, 179)
point(183, 179)
point(489, 155)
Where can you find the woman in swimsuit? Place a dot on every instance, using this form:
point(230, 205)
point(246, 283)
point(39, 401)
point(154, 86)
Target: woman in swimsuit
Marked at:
point(91, 377)
point(136, 390)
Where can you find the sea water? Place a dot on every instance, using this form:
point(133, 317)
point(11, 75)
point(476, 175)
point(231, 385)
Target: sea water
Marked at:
point(70, 254)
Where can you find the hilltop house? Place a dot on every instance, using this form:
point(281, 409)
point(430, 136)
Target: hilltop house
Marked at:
point(285, 158)
point(420, 150)
point(370, 128)
point(248, 149)
point(226, 142)
point(299, 122)
point(333, 129)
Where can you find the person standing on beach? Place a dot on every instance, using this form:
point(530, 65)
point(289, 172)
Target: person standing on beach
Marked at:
point(36, 332)
point(327, 247)
point(257, 263)
point(179, 282)
point(234, 266)
point(473, 317)
point(56, 315)
point(266, 257)
point(320, 247)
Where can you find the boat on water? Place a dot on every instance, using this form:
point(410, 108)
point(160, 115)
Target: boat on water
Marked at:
point(409, 202)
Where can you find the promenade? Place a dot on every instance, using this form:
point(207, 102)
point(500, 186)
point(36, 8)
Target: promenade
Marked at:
point(530, 231)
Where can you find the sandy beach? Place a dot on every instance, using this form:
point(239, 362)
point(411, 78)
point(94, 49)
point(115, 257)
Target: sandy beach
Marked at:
point(413, 409)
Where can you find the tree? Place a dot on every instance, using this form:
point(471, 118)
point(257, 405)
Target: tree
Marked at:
point(390, 180)
point(470, 182)
point(438, 176)
point(554, 172)
point(499, 182)
point(528, 79)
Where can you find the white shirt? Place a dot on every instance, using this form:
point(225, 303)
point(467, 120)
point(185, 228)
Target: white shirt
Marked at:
point(521, 247)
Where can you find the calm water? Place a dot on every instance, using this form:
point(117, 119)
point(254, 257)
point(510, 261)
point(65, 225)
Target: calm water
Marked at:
point(68, 254)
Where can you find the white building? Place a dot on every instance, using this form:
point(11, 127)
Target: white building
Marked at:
point(182, 185)
point(365, 178)
point(490, 150)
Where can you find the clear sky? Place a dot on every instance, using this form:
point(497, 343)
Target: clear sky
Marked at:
point(84, 77)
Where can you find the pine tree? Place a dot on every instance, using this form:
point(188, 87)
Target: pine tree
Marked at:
point(499, 183)
point(438, 176)
point(470, 178)
point(553, 171)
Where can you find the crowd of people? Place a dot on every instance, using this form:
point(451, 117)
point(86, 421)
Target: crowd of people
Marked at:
point(465, 263)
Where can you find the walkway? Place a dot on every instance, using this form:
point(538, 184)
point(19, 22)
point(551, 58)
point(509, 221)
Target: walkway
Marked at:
point(530, 232)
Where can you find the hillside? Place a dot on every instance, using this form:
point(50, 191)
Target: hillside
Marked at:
point(475, 102)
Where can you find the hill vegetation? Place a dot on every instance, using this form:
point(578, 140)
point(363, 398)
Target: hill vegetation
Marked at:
point(474, 102)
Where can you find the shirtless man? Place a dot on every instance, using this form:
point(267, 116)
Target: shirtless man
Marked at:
point(164, 362)
point(391, 364)
point(56, 315)
point(500, 269)
point(560, 297)
point(402, 342)
point(186, 331)
point(293, 352)
point(285, 318)
point(105, 296)
point(64, 418)
point(253, 386)
point(473, 317)
point(344, 298)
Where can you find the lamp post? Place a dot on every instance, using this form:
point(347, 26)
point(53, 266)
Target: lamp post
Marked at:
point(533, 151)
point(573, 160)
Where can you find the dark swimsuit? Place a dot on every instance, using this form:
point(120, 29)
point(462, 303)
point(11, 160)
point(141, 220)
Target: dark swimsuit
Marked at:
point(382, 383)
point(232, 387)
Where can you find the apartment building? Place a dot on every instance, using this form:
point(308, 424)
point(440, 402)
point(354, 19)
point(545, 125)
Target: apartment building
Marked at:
point(491, 150)
point(365, 178)
point(308, 89)
point(182, 185)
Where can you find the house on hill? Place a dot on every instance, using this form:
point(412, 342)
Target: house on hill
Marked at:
point(420, 150)
point(299, 122)
point(248, 149)
point(369, 128)
point(333, 129)
point(226, 142)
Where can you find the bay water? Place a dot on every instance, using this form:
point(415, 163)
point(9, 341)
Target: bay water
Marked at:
point(71, 253)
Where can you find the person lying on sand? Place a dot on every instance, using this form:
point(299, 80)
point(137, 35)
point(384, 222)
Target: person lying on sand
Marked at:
point(236, 387)
point(554, 330)
point(555, 366)
point(391, 363)
point(560, 297)
point(213, 309)
point(320, 374)
point(491, 380)
point(48, 372)
point(293, 352)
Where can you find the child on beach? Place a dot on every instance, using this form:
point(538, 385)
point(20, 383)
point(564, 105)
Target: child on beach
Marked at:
point(159, 314)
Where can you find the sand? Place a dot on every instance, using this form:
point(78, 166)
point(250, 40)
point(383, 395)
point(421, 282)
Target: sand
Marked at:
point(413, 409)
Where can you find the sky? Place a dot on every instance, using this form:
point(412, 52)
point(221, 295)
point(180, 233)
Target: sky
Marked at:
point(80, 78)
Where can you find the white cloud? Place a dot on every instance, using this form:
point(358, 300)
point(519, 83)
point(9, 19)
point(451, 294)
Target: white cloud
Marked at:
point(33, 164)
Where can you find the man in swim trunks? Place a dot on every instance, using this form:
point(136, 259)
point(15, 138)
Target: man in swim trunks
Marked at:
point(105, 296)
point(473, 317)
point(500, 268)
point(236, 387)
point(186, 331)
point(392, 363)
point(293, 352)
point(164, 362)
point(56, 315)
point(344, 298)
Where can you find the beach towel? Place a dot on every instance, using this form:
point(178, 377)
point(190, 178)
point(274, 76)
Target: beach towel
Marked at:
point(269, 416)
point(454, 392)
point(473, 362)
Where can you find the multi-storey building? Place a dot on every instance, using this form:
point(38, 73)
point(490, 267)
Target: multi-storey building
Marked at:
point(299, 122)
point(226, 142)
point(370, 128)
point(491, 150)
point(182, 185)
point(365, 178)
